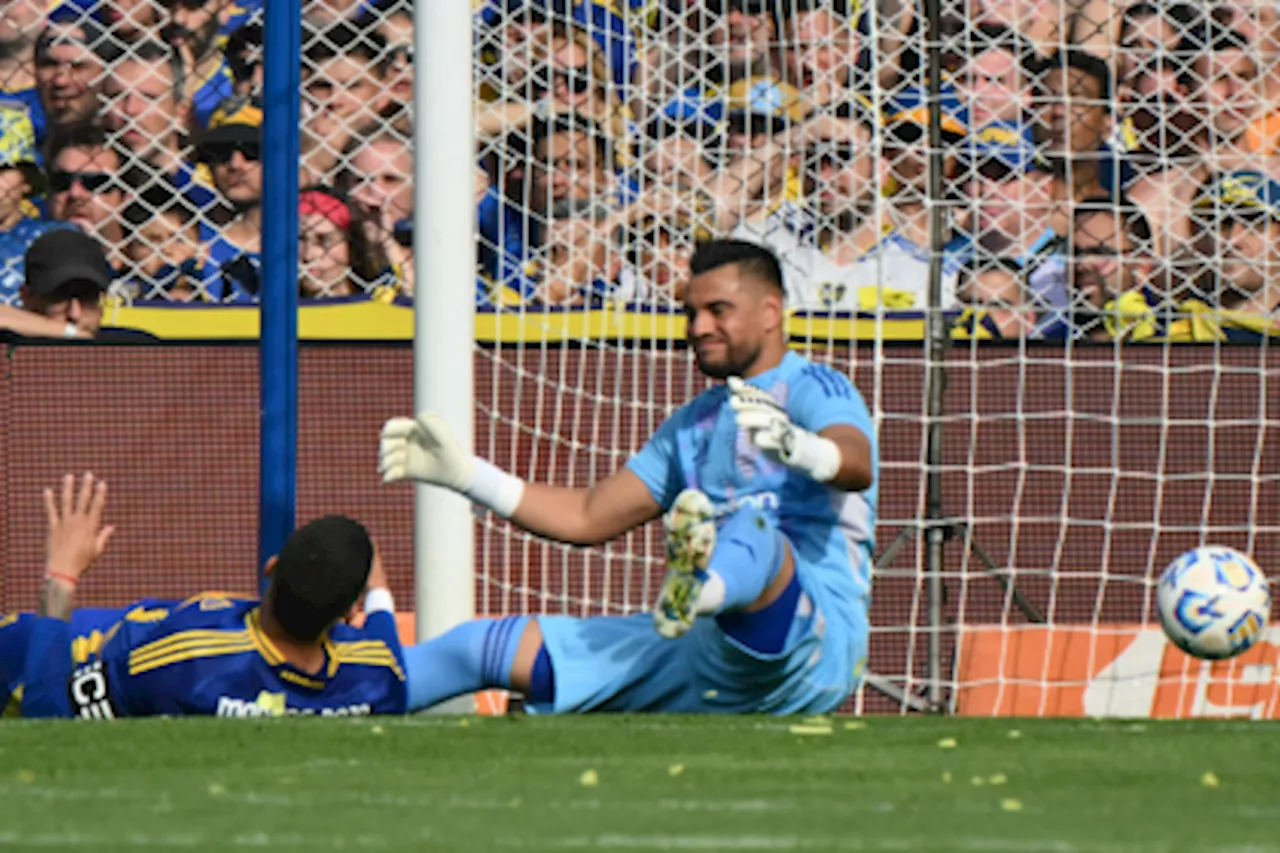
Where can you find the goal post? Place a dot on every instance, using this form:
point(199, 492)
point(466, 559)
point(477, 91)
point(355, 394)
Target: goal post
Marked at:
point(444, 309)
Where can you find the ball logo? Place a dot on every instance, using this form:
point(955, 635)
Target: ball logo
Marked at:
point(1246, 630)
point(1197, 611)
point(1233, 572)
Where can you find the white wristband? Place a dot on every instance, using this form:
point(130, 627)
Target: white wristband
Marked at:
point(816, 456)
point(494, 488)
point(379, 600)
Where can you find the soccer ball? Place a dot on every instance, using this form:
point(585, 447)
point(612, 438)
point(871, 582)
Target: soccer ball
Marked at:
point(1213, 602)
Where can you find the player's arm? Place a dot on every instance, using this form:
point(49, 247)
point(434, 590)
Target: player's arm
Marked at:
point(423, 449)
point(837, 451)
point(76, 538)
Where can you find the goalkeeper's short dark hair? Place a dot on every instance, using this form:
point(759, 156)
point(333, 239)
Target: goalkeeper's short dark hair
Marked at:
point(319, 574)
point(751, 259)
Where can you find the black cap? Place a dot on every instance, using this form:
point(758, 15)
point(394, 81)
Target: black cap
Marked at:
point(61, 257)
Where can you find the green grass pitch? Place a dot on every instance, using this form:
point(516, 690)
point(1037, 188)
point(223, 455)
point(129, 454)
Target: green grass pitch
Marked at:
point(640, 783)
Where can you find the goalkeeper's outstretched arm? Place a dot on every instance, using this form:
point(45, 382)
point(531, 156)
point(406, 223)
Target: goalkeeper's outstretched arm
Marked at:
point(423, 449)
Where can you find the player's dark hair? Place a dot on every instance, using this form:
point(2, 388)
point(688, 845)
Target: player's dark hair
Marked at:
point(321, 572)
point(751, 259)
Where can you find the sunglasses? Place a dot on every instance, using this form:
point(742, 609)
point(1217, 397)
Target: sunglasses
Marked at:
point(219, 154)
point(94, 182)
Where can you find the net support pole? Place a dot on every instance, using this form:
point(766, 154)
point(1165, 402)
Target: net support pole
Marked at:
point(278, 336)
point(936, 341)
point(444, 316)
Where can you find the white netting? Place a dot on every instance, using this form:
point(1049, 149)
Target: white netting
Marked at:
point(1108, 213)
point(1107, 199)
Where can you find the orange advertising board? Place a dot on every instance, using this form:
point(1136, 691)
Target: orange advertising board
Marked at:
point(1110, 670)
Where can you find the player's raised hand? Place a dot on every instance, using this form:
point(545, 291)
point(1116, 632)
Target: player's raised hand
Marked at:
point(77, 536)
point(423, 449)
point(764, 419)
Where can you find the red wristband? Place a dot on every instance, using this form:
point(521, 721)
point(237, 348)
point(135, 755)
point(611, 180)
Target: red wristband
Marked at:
point(63, 577)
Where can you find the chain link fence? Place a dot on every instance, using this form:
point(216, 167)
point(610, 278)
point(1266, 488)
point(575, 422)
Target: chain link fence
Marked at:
point(1103, 163)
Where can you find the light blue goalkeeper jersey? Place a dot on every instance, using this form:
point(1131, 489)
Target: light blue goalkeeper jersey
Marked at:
point(700, 446)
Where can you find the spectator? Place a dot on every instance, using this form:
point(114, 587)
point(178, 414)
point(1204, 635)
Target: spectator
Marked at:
point(894, 271)
point(69, 69)
point(193, 28)
point(148, 114)
point(129, 20)
point(817, 238)
point(395, 24)
point(20, 25)
point(1239, 214)
point(569, 196)
point(818, 37)
point(231, 242)
point(377, 177)
point(1074, 120)
point(762, 114)
point(20, 179)
point(66, 276)
point(334, 260)
point(244, 58)
point(87, 184)
point(656, 271)
point(1168, 138)
point(701, 50)
point(163, 249)
point(994, 288)
point(1229, 93)
point(1110, 265)
point(1011, 190)
point(1150, 31)
point(817, 41)
point(343, 93)
point(996, 78)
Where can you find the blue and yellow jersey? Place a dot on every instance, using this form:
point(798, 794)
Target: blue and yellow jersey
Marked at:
point(90, 628)
point(205, 656)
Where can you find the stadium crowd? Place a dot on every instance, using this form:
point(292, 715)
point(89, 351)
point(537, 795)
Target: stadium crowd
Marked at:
point(1106, 168)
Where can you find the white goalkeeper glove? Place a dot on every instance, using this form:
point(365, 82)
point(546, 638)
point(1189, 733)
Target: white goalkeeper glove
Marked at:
point(424, 449)
point(769, 428)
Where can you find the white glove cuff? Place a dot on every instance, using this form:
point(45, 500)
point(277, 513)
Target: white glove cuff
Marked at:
point(494, 488)
point(379, 600)
point(816, 456)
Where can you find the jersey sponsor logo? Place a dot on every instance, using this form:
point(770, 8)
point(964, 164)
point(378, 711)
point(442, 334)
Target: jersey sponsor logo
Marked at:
point(270, 704)
point(88, 692)
point(762, 501)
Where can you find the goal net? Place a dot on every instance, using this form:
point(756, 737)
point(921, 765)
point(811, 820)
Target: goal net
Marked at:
point(1103, 170)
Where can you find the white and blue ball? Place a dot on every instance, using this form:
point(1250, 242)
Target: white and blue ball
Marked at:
point(1214, 602)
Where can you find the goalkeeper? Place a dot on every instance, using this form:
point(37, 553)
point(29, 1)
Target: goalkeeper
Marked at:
point(768, 484)
point(213, 654)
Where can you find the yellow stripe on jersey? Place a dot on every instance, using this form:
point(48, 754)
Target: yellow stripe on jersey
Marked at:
point(185, 654)
point(185, 640)
point(368, 653)
point(6, 621)
point(266, 648)
point(302, 680)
